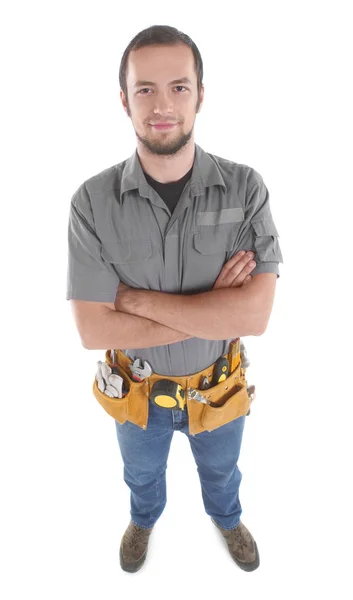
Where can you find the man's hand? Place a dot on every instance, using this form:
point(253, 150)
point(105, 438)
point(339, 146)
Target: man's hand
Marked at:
point(196, 316)
point(236, 272)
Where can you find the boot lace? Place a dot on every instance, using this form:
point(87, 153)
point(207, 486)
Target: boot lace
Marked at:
point(239, 539)
point(137, 538)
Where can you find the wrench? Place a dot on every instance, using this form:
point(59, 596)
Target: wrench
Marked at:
point(140, 369)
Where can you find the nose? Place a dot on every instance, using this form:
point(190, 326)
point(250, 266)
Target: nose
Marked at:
point(163, 104)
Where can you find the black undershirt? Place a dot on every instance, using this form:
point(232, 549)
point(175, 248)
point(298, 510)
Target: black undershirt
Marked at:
point(169, 192)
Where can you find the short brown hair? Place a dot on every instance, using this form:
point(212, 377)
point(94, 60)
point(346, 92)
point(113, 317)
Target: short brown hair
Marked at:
point(156, 35)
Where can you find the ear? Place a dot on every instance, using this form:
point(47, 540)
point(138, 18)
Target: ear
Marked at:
point(202, 91)
point(123, 101)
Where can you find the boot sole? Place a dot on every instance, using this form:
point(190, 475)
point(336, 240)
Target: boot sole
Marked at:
point(245, 566)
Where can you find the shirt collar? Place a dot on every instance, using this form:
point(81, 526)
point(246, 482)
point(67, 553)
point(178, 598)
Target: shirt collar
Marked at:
point(205, 173)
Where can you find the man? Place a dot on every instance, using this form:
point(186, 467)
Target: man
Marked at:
point(171, 221)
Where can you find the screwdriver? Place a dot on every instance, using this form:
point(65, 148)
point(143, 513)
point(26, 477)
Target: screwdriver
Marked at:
point(115, 370)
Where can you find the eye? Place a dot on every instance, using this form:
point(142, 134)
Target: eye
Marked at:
point(143, 89)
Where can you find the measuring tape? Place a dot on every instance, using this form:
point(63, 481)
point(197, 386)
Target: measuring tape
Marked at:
point(168, 394)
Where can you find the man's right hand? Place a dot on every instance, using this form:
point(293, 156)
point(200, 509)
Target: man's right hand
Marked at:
point(236, 272)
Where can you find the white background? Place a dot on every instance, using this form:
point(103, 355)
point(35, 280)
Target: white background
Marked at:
point(278, 97)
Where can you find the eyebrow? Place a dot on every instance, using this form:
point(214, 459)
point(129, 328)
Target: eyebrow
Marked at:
point(182, 80)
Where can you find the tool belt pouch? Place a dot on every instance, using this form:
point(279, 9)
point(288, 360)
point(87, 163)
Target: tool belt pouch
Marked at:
point(133, 406)
point(229, 400)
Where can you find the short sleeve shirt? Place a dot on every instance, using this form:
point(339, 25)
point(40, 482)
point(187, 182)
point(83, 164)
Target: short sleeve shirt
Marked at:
point(121, 229)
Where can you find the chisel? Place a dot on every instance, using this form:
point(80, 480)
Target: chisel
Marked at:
point(234, 354)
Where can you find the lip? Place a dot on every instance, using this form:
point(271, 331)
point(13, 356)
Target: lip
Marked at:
point(164, 125)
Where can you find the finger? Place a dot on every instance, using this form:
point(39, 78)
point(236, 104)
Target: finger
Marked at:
point(243, 269)
point(237, 262)
point(247, 279)
point(235, 259)
point(238, 271)
point(238, 278)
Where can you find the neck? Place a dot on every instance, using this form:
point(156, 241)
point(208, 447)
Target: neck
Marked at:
point(166, 169)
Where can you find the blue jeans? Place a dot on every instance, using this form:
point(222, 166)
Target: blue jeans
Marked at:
point(145, 454)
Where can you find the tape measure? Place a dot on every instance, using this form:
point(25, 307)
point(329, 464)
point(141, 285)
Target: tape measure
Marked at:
point(168, 394)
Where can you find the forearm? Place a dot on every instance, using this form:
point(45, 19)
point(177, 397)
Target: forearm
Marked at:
point(215, 315)
point(121, 330)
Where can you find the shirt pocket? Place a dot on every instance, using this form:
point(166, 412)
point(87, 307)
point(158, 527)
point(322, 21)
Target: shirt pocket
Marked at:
point(266, 244)
point(126, 251)
point(217, 232)
point(210, 250)
point(135, 260)
point(212, 243)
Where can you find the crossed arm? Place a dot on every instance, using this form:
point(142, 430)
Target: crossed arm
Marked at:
point(146, 318)
point(215, 315)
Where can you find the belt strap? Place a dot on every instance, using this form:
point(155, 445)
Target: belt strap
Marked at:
point(187, 381)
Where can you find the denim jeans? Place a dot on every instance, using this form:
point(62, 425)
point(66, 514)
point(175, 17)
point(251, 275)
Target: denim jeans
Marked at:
point(145, 453)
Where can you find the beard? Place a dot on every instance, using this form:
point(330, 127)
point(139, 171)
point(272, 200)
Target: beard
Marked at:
point(165, 147)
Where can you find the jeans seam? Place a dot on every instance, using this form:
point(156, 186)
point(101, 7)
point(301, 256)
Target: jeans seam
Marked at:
point(158, 494)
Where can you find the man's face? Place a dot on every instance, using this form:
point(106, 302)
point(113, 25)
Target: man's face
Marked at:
point(165, 100)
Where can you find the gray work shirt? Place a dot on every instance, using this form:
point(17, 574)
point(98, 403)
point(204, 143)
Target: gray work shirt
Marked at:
point(121, 229)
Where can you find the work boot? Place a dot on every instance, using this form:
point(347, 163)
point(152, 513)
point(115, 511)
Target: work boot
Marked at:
point(242, 546)
point(133, 547)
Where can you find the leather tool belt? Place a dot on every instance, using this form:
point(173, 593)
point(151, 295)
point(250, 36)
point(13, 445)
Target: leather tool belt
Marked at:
point(230, 398)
